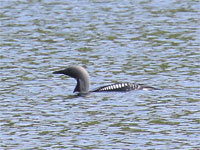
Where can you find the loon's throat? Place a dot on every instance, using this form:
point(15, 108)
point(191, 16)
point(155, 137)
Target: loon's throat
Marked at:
point(77, 88)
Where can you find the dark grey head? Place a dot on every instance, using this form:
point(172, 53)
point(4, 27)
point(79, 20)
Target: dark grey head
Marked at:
point(81, 76)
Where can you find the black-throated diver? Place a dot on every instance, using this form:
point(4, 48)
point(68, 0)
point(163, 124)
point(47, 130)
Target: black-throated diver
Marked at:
point(82, 77)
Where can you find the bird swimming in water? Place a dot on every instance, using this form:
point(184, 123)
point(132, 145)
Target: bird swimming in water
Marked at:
point(82, 77)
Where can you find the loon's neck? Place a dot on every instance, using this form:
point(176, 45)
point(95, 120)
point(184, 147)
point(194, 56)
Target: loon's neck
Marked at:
point(82, 85)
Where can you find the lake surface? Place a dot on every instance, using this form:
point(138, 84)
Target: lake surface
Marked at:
point(150, 42)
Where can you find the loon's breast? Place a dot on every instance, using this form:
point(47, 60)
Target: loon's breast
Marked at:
point(123, 87)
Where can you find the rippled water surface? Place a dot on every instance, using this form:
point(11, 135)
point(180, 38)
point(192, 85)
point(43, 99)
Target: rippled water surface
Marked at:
point(144, 41)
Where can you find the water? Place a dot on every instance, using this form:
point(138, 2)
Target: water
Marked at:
point(150, 42)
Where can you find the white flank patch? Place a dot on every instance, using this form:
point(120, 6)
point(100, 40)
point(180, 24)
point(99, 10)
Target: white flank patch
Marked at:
point(117, 86)
point(144, 89)
point(130, 84)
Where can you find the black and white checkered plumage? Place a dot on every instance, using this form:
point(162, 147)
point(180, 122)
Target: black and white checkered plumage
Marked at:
point(123, 87)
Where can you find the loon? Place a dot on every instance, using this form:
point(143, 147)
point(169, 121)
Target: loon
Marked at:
point(82, 77)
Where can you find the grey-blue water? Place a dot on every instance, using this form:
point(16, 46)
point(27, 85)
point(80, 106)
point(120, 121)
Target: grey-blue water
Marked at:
point(153, 42)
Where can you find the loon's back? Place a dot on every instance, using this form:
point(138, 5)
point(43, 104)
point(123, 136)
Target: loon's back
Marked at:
point(123, 87)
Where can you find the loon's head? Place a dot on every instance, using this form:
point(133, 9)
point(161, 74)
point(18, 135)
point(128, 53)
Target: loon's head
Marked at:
point(81, 76)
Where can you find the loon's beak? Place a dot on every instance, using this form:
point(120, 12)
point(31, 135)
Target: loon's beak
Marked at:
point(59, 72)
